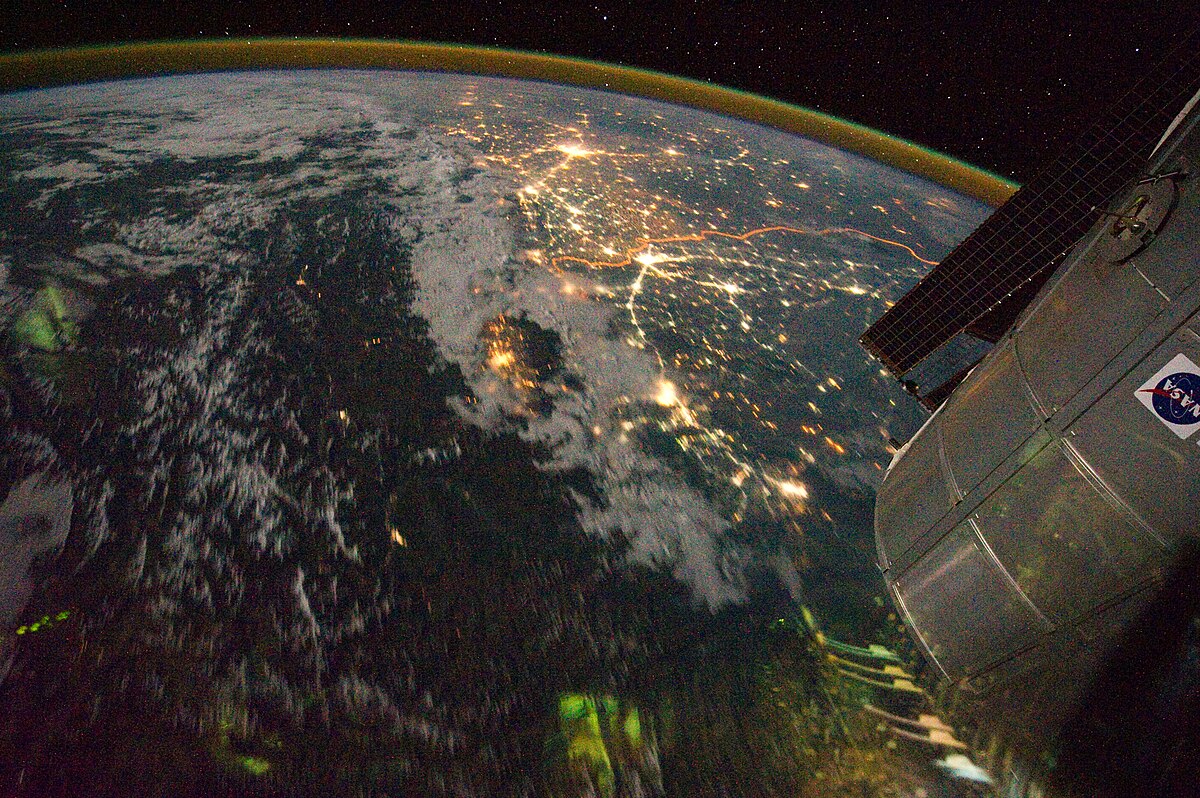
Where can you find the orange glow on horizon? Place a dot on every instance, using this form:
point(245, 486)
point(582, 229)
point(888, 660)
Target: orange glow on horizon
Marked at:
point(64, 67)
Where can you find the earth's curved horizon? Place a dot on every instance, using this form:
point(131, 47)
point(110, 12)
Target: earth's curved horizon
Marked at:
point(418, 433)
point(76, 65)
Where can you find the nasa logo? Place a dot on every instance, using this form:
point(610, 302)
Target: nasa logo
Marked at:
point(1173, 394)
point(1174, 398)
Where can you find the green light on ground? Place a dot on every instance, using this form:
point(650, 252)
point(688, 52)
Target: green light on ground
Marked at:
point(35, 329)
point(45, 622)
point(221, 744)
point(45, 325)
point(598, 738)
point(573, 706)
point(633, 727)
point(254, 764)
point(579, 723)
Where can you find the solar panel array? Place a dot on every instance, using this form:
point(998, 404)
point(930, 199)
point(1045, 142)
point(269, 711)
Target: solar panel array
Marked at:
point(991, 276)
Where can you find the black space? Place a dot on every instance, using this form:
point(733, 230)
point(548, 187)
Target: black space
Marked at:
point(999, 84)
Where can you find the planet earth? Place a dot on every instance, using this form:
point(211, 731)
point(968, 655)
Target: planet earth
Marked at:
point(401, 433)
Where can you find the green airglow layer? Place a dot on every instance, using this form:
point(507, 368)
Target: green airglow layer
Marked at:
point(44, 68)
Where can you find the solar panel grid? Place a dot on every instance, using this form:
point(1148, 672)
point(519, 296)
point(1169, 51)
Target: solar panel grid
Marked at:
point(1037, 225)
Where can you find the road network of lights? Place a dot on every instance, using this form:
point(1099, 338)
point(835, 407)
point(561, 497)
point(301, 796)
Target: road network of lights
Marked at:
point(656, 223)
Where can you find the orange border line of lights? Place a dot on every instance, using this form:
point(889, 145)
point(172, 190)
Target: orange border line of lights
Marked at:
point(63, 67)
point(642, 244)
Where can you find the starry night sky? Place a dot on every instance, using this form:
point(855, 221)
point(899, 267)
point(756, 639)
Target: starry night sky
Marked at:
point(999, 84)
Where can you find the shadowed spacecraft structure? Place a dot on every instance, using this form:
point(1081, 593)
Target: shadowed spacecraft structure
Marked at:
point(1030, 523)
